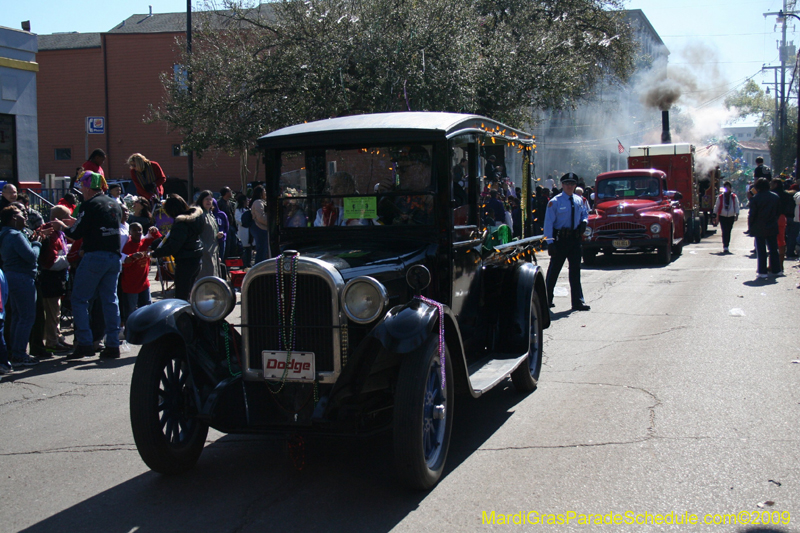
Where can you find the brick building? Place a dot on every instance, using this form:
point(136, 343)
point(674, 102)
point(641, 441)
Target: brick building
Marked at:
point(116, 75)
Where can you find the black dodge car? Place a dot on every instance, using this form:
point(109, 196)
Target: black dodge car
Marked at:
point(391, 292)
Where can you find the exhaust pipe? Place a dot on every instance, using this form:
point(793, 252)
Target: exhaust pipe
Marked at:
point(666, 137)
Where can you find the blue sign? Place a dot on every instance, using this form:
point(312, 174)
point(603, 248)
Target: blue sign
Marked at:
point(96, 125)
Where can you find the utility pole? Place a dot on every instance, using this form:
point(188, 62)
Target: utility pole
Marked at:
point(784, 55)
point(776, 120)
point(190, 158)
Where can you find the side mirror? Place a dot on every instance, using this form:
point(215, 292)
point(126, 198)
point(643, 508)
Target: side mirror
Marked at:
point(673, 195)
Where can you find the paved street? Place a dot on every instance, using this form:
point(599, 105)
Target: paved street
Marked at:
point(677, 393)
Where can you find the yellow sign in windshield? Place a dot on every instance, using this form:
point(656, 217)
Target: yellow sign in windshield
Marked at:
point(360, 207)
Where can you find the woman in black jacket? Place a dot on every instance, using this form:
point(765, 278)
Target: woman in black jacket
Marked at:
point(183, 243)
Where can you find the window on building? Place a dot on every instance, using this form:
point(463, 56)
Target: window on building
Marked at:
point(8, 151)
point(63, 154)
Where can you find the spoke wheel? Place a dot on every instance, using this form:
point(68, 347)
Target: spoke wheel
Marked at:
point(526, 376)
point(167, 433)
point(423, 419)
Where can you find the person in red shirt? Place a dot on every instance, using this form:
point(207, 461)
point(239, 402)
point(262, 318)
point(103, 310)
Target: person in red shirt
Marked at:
point(147, 176)
point(136, 267)
point(95, 164)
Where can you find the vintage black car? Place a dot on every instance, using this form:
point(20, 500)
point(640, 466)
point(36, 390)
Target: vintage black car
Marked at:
point(388, 295)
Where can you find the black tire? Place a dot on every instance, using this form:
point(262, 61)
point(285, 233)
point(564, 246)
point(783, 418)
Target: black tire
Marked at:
point(665, 252)
point(167, 433)
point(589, 257)
point(698, 230)
point(526, 376)
point(423, 420)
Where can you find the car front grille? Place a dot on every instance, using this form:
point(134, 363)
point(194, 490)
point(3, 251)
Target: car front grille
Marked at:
point(621, 230)
point(313, 316)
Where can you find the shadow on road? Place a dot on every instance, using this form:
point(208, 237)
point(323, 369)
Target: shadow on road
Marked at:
point(249, 483)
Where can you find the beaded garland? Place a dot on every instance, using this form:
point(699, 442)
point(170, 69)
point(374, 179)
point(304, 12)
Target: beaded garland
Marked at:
point(440, 308)
point(286, 340)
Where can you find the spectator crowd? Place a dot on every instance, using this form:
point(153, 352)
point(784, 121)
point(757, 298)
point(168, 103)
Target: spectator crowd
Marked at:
point(91, 258)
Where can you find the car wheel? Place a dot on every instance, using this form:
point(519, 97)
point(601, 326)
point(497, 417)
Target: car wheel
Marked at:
point(665, 252)
point(167, 433)
point(423, 419)
point(589, 257)
point(526, 376)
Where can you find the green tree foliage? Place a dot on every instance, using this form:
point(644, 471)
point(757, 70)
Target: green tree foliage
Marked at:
point(751, 102)
point(255, 69)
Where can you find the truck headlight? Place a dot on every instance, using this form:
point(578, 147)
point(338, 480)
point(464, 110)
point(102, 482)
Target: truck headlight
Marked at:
point(655, 228)
point(212, 299)
point(364, 299)
point(588, 231)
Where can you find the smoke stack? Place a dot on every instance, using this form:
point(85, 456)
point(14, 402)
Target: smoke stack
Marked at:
point(666, 137)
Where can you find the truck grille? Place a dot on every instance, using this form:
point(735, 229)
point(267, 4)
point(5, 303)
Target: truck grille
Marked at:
point(313, 318)
point(628, 230)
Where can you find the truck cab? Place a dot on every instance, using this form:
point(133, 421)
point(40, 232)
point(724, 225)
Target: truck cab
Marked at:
point(634, 212)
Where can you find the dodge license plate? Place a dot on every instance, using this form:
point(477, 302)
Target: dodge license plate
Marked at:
point(621, 243)
point(299, 366)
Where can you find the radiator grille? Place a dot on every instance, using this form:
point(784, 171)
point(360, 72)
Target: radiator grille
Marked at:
point(313, 317)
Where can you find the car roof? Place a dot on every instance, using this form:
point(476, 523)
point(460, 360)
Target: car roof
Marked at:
point(407, 126)
point(632, 172)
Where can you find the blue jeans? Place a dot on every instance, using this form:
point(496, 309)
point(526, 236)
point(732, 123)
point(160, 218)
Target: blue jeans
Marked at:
point(136, 300)
point(96, 276)
point(22, 308)
point(261, 238)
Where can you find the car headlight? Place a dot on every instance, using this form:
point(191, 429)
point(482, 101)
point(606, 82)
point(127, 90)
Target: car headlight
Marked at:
point(364, 299)
point(588, 231)
point(212, 299)
point(655, 228)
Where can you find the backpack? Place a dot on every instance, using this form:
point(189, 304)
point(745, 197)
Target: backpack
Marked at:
point(247, 218)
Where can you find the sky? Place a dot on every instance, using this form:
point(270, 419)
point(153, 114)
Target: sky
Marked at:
point(721, 42)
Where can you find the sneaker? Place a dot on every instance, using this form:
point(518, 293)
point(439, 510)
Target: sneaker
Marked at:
point(25, 361)
point(779, 274)
point(725, 250)
point(5, 369)
point(59, 348)
point(762, 276)
point(110, 352)
point(581, 307)
point(40, 351)
point(99, 345)
point(80, 352)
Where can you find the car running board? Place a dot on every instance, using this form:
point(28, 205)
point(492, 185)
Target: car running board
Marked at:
point(491, 370)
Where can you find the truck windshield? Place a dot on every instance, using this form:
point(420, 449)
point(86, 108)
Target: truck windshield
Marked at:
point(628, 187)
point(367, 186)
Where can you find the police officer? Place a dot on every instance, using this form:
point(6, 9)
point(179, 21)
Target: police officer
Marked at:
point(564, 223)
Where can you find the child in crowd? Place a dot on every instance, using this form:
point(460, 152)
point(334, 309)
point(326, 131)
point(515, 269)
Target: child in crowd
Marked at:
point(136, 267)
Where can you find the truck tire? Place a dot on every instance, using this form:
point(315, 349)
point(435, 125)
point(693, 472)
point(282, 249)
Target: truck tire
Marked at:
point(665, 252)
point(526, 376)
point(423, 419)
point(167, 433)
point(698, 230)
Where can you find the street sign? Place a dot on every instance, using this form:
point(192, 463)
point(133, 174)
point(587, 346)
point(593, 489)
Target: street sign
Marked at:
point(96, 125)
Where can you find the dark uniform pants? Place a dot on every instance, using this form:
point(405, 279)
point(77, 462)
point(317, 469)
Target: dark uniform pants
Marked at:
point(566, 250)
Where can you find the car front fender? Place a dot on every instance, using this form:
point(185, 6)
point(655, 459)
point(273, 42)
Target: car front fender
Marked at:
point(153, 321)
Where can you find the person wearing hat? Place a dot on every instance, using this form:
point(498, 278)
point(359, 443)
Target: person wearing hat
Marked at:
point(564, 223)
point(98, 224)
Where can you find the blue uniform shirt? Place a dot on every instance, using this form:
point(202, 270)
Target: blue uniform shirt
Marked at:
point(559, 214)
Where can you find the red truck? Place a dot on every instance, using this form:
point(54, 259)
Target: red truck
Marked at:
point(634, 211)
point(677, 161)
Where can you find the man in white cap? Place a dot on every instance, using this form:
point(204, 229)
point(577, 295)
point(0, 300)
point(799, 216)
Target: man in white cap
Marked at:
point(564, 223)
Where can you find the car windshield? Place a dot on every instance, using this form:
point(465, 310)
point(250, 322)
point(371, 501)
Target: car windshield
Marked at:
point(628, 187)
point(367, 186)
